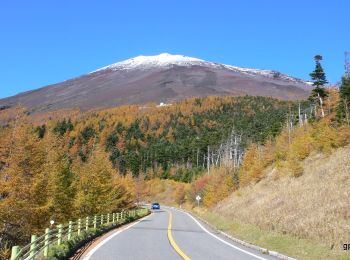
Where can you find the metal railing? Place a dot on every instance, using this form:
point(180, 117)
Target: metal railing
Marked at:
point(40, 245)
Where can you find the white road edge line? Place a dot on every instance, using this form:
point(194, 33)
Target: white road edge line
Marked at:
point(92, 251)
point(223, 241)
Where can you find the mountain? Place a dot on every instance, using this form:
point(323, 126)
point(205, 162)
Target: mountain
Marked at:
point(161, 78)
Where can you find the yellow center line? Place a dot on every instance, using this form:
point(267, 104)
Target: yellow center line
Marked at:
point(172, 241)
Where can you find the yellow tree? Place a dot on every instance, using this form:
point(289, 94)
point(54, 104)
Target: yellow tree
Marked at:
point(99, 190)
point(61, 179)
point(23, 207)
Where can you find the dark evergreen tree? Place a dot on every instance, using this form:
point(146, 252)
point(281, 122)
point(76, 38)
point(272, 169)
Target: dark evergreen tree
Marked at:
point(87, 133)
point(344, 101)
point(111, 141)
point(318, 77)
point(63, 126)
point(41, 130)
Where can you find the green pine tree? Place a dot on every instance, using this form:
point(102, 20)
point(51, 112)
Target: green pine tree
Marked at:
point(344, 101)
point(318, 77)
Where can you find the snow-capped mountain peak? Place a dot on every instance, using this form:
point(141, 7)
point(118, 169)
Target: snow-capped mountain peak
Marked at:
point(166, 60)
point(161, 60)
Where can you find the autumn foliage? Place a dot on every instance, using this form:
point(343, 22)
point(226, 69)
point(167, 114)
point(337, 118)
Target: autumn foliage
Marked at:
point(68, 164)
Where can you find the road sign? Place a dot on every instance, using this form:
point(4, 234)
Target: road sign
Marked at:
point(198, 198)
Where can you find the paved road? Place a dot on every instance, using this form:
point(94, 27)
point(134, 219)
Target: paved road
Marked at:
point(154, 238)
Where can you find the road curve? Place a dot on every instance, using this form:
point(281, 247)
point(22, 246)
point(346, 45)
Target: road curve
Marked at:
point(170, 234)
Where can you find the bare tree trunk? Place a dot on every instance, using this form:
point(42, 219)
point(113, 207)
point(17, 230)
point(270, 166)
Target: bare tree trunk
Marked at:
point(315, 110)
point(321, 104)
point(346, 110)
point(208, 161)
point(212, 158)
point(300, 117)
point(197, 156)
point(289, 130)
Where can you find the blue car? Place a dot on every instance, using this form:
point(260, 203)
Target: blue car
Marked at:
point(155, 205)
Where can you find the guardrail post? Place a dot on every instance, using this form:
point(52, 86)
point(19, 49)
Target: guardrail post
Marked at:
point(70, 226)
point(14, 252)
point(59, 234)
point(79, 226)
point(95, 222)
point(87, 224)
point(47, 241)
point(108, 218)
point(117, 216)
point(113, 218)
point(32, 247)
point(101, 220)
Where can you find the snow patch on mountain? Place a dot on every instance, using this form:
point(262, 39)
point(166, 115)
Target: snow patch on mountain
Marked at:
point(145, 62)
point(166, 60)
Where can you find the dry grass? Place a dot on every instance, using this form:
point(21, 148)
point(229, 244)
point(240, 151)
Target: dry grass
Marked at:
point(287, 244)
point(314, 206)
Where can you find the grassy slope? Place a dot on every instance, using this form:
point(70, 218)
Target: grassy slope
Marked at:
point(272, 240)
point(292, 215)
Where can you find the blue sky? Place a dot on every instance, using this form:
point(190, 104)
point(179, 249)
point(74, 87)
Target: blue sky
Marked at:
point(44, 42)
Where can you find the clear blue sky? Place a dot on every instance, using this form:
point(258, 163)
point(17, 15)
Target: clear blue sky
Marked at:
point(44, 42)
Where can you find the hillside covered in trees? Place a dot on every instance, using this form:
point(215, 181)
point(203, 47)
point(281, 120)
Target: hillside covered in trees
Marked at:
point(66, 164)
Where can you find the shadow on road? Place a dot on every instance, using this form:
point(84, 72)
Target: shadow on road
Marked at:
point(158, 211)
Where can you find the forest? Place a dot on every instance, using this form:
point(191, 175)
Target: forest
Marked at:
point(154, 141)
point(66, 164)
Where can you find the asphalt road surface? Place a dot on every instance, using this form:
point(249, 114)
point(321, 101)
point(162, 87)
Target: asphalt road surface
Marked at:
point(170, 234)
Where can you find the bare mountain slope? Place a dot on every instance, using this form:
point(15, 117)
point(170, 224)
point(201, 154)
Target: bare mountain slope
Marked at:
point(161, 78)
